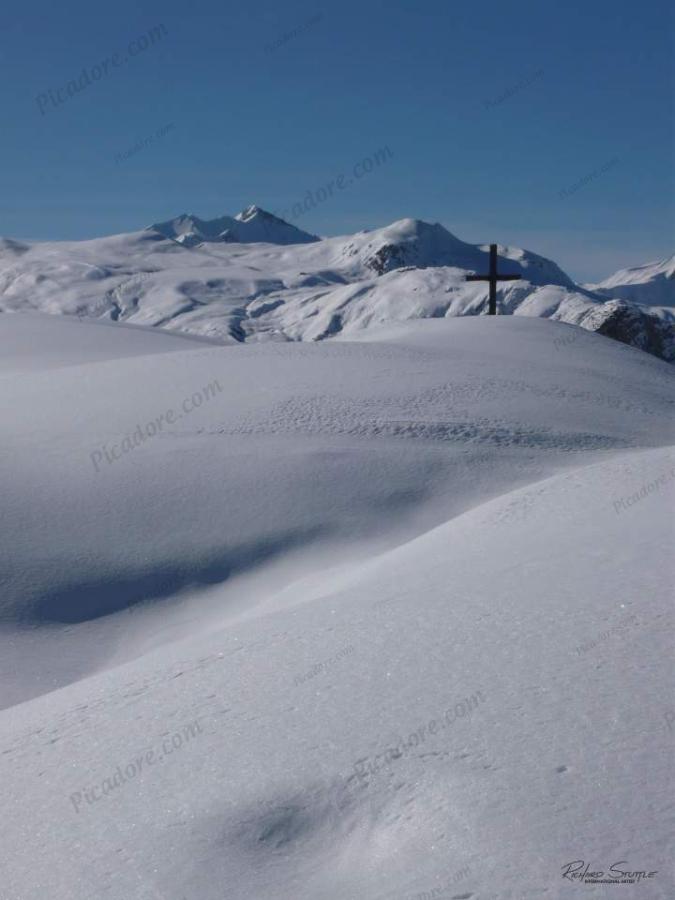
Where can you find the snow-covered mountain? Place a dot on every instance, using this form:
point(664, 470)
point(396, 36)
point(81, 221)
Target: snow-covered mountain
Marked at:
point(652, 284)
point(251, 226)
point(253, 277)
point(412, 243)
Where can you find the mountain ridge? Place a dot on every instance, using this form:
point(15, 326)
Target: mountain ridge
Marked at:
point(254, 277)
point(251, 225)
point(652, 283)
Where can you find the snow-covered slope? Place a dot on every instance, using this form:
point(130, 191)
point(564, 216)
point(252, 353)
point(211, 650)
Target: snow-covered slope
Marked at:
point(651, 285)
point(253, 277)
point(32, 342)
point(411, 242)
point(649, 328)
point(387, 617)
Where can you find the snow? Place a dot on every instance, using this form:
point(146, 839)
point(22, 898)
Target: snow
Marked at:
point(252, 225)
point(383, 615)
point(31, 342)
point(652, 284)
point(253, 277)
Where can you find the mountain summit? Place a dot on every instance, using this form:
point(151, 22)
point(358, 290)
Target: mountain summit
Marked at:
point(413, 242)
point(251, 226)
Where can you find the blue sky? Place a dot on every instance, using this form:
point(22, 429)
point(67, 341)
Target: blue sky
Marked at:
point(545, 125)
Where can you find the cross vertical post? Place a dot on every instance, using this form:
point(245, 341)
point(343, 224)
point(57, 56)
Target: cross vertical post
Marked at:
point(492, 308)
point(492, 277)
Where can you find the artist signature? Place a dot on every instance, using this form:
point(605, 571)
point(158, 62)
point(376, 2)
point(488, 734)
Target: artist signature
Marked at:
point(579, 870)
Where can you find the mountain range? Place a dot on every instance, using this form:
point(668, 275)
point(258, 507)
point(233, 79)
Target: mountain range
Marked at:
point(254, 277)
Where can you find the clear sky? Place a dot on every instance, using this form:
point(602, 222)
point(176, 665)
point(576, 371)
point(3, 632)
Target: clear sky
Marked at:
point(546, 125)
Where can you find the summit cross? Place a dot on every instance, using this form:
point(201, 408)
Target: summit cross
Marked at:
point(493, 278)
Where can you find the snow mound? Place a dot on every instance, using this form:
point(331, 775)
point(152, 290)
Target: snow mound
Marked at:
point(481, 712)
point(389, 616)
point(33, 343)
point(272, 449)
point(10, 248)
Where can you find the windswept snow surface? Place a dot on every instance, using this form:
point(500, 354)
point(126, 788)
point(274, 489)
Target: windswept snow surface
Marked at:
point(30, 343)
point(366, 619)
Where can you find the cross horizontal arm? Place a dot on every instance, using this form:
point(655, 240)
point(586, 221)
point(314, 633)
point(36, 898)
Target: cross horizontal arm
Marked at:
point(477, 277)
point(508, 277)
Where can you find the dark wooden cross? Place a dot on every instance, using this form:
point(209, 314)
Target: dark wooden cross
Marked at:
point(493, 278)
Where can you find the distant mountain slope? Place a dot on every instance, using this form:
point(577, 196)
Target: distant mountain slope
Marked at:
point(411, 242)
point(254, 277)
point(652, 284)
point(253, 225)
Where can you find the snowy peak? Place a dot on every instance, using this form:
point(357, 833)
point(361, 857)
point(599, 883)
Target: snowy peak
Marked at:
point(652, 284)
point(256, 225)
point(412, 242)
point(249, 213)
point(189, 230)
point(251, 226)
point(253, 212)
point(419, 244)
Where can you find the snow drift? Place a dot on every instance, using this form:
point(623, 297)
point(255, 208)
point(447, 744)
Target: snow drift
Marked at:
point(383, 617)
